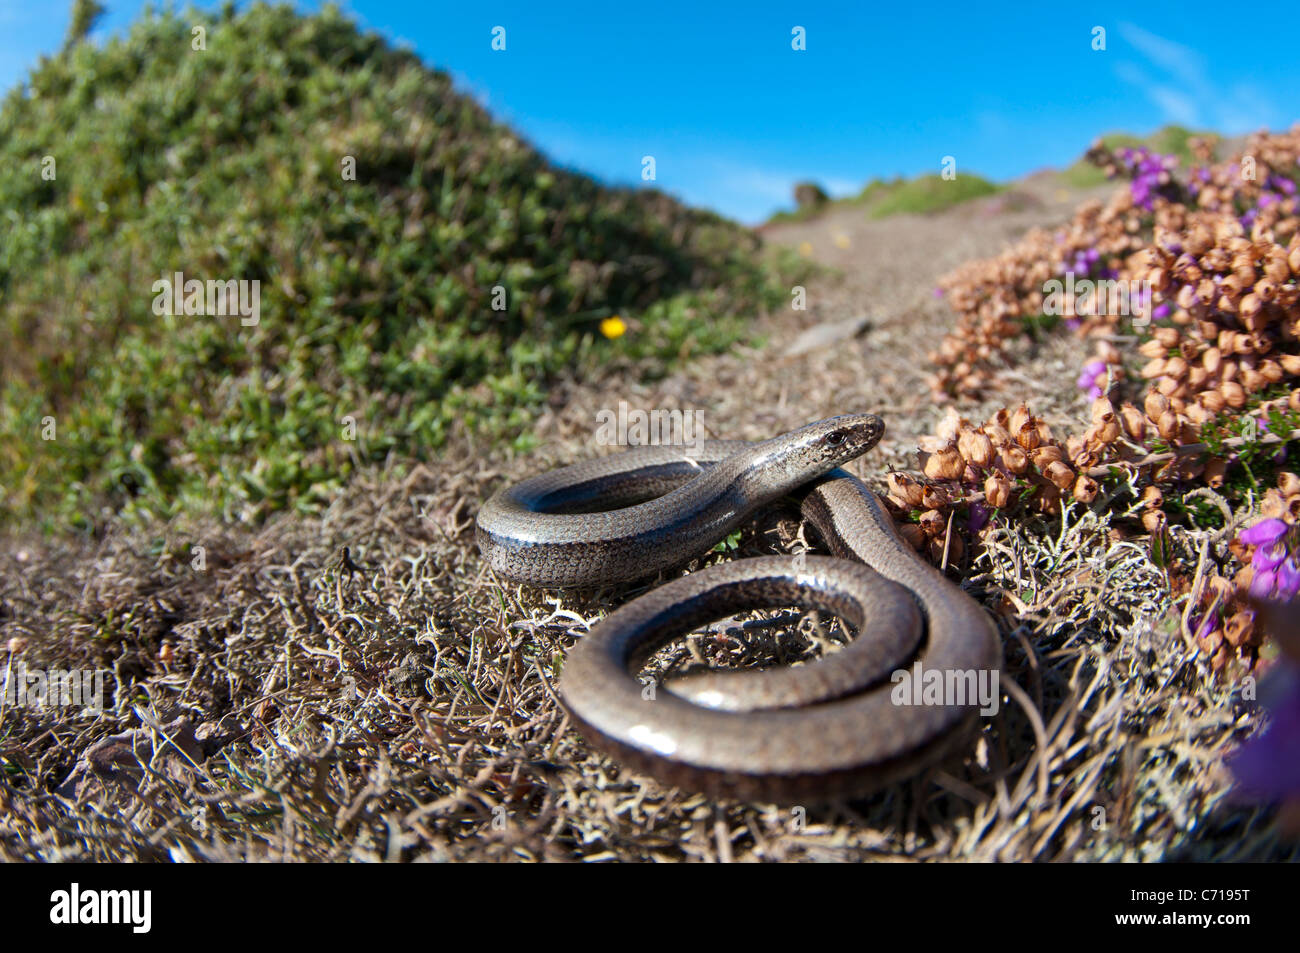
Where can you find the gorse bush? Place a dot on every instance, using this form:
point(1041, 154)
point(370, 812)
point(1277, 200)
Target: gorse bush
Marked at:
point(376, 293)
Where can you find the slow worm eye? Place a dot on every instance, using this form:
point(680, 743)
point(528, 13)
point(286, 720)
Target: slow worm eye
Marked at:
point(835, 438)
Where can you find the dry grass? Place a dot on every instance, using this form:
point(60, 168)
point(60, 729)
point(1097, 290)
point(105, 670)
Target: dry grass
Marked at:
point(454, 746)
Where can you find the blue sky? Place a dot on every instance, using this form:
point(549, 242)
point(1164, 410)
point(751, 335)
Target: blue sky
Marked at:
point(734, 117)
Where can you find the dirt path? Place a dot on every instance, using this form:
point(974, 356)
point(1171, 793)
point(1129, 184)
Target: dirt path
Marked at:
point(888, 271)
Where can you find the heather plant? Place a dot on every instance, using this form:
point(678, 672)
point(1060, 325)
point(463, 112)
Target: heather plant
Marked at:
point(1202, 396)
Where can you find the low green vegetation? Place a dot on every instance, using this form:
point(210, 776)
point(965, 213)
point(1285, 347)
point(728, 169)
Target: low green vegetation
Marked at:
point(421, 269)
point(1168, 140)
point(929, 193)
point(881, 198)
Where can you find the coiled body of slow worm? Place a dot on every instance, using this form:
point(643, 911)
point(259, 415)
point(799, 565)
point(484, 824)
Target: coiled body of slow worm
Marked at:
point(826, 729)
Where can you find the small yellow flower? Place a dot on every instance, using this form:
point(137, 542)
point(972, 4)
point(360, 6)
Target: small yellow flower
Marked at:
point(805, 248)
point(842, 240)
point(613, 327)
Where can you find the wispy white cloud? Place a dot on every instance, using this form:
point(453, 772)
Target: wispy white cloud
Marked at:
point(1175, 79)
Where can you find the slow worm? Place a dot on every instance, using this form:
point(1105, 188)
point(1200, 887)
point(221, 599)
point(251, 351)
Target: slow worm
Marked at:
point(829, 728)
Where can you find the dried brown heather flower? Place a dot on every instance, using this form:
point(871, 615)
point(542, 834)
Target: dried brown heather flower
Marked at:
point(904, 490)
point(1028, 436)
point(1044, 455)
point(1014, 459)
point(1169, 425)
point(1239, 628)
point(1288, 483)
point(1153, 498)
point(1271, 506)
point(945, 464)
point(1018, 419)
point(1156, 405)
point(1154, 521)
point(932, 523)
point(1166, 338)
point(997, 434)
point(912, 535)
point(976, 448)
point(935, 497)
point(1210, 643)
point(1135, 423)
point(1106, 429)
point(949, 425)
point(1233, 394)
point(997, 490)
point(1153, 369)
point(1060, 474)
point(1085, 488)
point(1212, 401)
point(1047, 498)
point(1241, 582)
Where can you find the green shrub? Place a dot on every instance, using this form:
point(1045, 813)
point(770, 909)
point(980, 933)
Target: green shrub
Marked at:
point(376, 293)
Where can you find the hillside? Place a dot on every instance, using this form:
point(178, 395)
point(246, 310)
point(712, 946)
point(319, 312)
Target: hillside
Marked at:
point(377, 208)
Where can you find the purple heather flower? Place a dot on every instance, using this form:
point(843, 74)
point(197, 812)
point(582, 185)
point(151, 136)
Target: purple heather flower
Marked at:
point(938, 292)
point(1267, 767)
point(1288, 579)
point(1094, 372)
point(1162, 310)
point(1262, 582)
point(1264, 533)
point(1268, 557)
point(1073, 324)
point(1204, 626)
point(979, 517)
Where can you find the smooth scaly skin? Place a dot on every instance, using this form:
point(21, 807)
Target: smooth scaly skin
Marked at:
point(820, 730)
